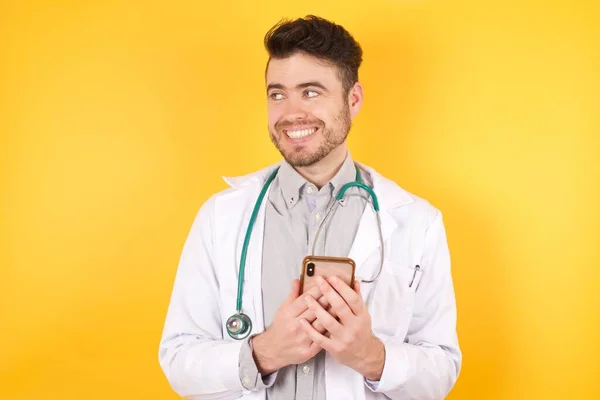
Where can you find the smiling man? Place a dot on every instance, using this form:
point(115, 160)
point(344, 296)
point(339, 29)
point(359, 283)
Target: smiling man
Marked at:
point(393, 338)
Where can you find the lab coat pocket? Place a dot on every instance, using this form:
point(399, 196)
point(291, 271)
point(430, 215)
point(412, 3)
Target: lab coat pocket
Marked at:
point(393, 299)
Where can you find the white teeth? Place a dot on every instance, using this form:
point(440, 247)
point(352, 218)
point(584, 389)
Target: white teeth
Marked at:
point(300, 134)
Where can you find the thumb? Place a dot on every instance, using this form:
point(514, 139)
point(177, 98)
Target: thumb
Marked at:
point(295, 292)
point(357, 287)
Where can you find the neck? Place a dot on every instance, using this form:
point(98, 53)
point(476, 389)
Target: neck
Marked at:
point(322, 172)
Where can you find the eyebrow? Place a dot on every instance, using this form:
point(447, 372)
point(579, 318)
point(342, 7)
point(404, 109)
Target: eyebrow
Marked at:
point(298, 86)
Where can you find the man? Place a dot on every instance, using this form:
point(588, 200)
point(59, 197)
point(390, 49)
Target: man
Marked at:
point(391, 338)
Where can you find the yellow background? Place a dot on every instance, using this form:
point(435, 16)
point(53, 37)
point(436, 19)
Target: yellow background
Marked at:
point(117, 120)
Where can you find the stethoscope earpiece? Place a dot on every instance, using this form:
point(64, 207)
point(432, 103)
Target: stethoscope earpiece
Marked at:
point(239, 326)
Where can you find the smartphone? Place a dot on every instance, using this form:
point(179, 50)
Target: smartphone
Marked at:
point(313, 266)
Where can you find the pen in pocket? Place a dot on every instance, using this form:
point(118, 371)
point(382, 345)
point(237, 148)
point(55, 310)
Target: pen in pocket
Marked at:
point(417, 268)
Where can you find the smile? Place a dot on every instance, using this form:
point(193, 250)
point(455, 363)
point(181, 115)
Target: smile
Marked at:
point(299, 133)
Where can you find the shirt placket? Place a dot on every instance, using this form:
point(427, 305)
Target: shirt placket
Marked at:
point(317, 204)
point(305, 376)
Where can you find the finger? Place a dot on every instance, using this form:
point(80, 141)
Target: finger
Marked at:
point(294, 292)
point(314, 349)
point(323, 301)
point(357, 288)
point(319, 326)
point(338, 304)
point(308, 315)
point(331, 310)
point(318, 339)
point(298, 306)
point(329, 322)
point(352, 298)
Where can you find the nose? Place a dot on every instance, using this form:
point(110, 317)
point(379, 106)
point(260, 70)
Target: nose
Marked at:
point(295, 109)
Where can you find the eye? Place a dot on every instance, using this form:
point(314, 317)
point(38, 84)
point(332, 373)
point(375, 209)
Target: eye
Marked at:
point(276, 96)
point(311, 93)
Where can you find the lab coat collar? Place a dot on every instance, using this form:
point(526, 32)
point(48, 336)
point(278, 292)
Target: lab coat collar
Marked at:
point(257, 177)
point(389, 194)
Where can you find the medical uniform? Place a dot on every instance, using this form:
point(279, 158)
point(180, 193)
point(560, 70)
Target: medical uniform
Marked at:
point(412, 308)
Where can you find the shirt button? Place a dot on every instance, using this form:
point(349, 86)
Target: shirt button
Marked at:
point(246, 381)
point(309, 190)
point(318, 216)
point(306, 369)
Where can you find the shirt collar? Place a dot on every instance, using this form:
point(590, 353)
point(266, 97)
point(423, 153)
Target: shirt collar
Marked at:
point(346, 174)
point(391, 195)
point(292, 184)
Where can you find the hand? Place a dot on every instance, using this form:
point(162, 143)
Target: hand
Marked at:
point(351, 341)
point(284, 342)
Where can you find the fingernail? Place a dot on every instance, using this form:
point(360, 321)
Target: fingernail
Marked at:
point(333, 280)
point(308, 300)
point(320, 280)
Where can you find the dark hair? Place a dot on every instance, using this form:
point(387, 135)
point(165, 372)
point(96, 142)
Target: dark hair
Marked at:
point(319, 38)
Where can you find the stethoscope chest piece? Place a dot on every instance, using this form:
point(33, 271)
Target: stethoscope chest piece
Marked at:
point(239, 326)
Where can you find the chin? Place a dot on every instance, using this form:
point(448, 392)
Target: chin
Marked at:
point(302, 159)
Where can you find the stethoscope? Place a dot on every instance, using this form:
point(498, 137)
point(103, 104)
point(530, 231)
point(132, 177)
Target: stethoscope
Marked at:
point(239, 324)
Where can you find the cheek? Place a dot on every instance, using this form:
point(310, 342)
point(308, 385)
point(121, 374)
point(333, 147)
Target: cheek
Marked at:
point(273, 116)
point(324, 117)
point(321, 112)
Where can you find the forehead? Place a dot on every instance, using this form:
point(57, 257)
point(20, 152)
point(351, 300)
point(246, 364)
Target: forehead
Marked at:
point(301, 68)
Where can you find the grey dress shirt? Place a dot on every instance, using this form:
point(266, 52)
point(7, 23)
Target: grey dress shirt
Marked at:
point(295, 208)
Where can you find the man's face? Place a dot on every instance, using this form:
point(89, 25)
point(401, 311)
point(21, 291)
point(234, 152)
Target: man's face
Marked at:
point(309, 115)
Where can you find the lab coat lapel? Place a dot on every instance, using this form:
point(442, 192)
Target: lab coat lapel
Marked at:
point(366, 244)
point(253, 269)
point(367, 240)
point(255, 252)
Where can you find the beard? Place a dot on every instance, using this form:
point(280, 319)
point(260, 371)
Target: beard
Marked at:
point(333, 137)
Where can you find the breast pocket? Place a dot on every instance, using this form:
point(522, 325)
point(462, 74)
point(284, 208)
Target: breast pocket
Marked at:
point(392, 299)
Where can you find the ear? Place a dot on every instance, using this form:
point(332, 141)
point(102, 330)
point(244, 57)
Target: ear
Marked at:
point(355, 99)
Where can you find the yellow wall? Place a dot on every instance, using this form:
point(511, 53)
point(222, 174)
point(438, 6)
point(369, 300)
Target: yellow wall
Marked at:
point(117, 120)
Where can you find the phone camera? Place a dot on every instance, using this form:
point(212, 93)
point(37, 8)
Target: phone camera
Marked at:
point(310, 269)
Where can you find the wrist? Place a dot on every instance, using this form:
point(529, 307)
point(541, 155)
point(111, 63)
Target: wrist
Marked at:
point(375, 360)
point(266, 362)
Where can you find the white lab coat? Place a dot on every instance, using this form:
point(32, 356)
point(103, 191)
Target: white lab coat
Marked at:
point(416, 323)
